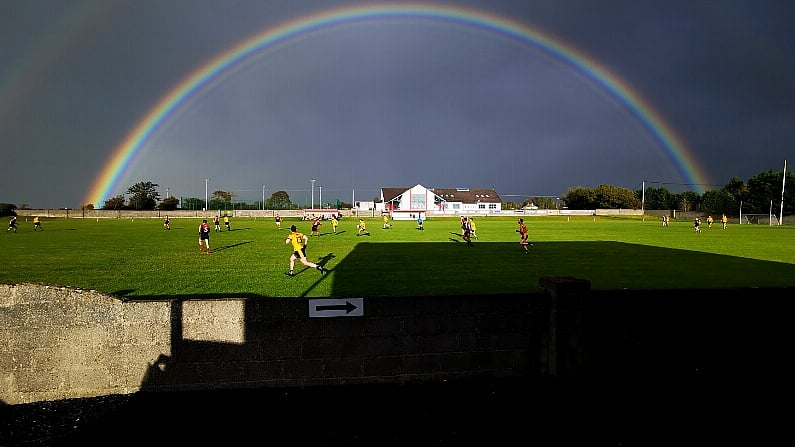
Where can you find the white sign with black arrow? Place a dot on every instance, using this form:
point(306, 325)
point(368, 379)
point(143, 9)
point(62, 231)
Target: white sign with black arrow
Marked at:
point(336, 307)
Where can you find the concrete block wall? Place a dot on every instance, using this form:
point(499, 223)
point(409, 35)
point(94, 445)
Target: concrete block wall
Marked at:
point(62, 343)
point(68, 343)
point(58, 343)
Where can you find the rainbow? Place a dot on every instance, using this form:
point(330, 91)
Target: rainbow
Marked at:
point(215, 69)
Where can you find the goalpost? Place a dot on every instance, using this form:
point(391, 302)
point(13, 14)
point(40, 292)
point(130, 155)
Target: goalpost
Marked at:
point(769, 219)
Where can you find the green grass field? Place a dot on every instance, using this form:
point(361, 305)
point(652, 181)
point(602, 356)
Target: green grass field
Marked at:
point(139, 259)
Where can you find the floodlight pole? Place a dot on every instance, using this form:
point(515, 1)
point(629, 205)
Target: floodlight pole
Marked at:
point(263, 197)
point(206, 202)
point(320, 200)
point(313, 193)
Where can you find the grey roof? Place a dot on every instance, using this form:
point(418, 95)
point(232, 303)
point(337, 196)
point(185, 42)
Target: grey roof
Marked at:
point(463, 195)
point(468, 195)
point(391, 193)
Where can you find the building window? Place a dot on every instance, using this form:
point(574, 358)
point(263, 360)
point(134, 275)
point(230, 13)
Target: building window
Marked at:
point(418, 202)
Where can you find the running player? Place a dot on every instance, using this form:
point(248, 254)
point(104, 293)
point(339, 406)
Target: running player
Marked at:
point(299, 241)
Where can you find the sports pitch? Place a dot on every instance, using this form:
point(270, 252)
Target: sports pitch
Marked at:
point(139, 259)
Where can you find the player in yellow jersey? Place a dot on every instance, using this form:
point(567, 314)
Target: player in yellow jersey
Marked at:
point(299, 241)
point(473, 228)
point(361, 228)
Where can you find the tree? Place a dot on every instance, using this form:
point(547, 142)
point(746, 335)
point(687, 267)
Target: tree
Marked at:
point(169, 204)
point(143, 196)
point(615, 197)
point(220, 199)
point(716, 202)
point(736, 190)
point(657, 198)
point(115, 203)
point(510, 205)
point(687, 201)
point(579, 198)
point(603, 196)
point(279, 200)
point(545, 203)
point(8, 209)
point(764, 189)
point(192, 203)
point(87, 207)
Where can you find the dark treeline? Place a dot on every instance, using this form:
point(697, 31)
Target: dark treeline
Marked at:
point(759, 195)
point(144, 196)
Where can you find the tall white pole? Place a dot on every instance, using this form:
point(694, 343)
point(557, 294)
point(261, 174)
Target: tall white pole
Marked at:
point(770, 214)
point(263, 197)
point(313, 193)
point(783, 182)
point(320, 191)
point(206, 203)
point(643, 200)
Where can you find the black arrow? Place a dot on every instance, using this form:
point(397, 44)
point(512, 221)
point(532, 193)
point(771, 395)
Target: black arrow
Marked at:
point(348, 307)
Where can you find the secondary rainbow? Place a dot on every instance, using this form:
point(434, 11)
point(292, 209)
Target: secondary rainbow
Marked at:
point(215, 69)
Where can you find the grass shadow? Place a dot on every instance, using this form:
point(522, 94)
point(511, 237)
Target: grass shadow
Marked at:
point(431, 268)
point(227, 247)
point(397, 269)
